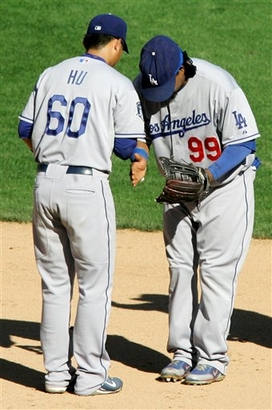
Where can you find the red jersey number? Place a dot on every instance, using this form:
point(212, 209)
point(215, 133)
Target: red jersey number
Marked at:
point(209, 147)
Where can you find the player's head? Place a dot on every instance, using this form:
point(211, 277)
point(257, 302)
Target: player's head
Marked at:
point(161, 60)
point(103, 28)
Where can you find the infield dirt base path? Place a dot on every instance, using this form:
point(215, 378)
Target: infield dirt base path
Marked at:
point(137, 333)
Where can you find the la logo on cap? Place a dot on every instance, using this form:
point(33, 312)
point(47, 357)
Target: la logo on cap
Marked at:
point(152, 80)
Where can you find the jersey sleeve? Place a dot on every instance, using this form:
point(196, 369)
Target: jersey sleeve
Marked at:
point(237, 122)
point(27, 115)
point(25, 129)
point(123, 147)
point(232, 156)
point(146, 115)
point(128, 118)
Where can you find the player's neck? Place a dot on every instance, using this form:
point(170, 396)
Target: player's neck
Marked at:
point(95, 56)
point(100, 54)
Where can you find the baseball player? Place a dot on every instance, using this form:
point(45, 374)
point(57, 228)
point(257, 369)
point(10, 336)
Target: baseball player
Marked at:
point(195, 112)
point(80, 111)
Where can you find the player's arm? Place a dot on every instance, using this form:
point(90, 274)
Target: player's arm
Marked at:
point(138, 152)
point(139, 160)
point(231, 157)
point(25, 132)
point(123, 147)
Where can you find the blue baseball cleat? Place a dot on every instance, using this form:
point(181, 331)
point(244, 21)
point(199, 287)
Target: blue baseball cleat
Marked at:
point(110, 386)
point(175, 371)
point(204, 374)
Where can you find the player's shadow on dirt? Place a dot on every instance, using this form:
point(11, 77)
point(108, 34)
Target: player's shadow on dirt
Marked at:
point(246, 326)
point(19, 374)
point(18, 328)
point(135, 355)
point(15, 372)
point(147, 302)
point(120, 349)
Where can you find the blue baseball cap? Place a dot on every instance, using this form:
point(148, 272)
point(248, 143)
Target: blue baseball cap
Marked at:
point(160, 61)
point(111, 25)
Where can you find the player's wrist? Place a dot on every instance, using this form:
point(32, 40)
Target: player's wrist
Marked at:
point(209, 175)
point(140, 151)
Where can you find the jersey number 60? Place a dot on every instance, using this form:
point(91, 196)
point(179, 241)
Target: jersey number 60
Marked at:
point(77, 120)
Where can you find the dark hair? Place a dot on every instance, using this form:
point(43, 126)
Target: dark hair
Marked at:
point(189, 67)
point(96, 40)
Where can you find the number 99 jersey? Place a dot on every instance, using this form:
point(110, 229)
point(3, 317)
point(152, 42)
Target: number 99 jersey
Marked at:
point(209, 113)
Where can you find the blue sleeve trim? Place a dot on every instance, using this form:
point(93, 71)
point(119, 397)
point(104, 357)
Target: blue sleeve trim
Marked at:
point(232, 156)
point(25, 129)
point(123, 147)
point(248, 144)
point(257, 163)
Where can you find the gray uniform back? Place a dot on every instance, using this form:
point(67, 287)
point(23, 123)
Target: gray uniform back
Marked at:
point(100, 102)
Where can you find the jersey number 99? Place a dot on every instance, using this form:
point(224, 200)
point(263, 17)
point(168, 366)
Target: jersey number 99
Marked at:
point(210, 146)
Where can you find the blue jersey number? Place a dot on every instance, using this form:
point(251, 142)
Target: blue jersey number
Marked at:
point(78, 114)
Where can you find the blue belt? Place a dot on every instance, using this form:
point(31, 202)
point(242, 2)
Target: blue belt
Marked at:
point(70, 170)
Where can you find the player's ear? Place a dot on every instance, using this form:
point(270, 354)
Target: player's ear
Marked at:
point(119, 48)
point(190, 68)
point(116, 51)
point(181, 69)
point(117, 44)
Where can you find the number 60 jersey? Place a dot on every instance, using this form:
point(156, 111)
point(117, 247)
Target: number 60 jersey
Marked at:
point(209, 113)
point(77, 109)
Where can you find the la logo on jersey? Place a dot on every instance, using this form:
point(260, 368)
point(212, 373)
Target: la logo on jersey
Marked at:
point(240, 120)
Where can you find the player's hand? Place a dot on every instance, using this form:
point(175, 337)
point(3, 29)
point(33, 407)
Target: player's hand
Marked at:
point(138, 169)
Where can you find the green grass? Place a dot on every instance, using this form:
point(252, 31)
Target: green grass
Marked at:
point(36, 34)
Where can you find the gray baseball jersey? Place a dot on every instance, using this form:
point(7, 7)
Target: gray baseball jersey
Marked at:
point(208, 114)
point(71, 126)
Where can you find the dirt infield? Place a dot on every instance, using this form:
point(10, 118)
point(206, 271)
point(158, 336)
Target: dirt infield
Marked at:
point(137, 333)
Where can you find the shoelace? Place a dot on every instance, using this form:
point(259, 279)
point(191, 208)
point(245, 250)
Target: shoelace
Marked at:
point(202, 366)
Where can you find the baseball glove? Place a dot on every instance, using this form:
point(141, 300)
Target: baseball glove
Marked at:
point(184, 182)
